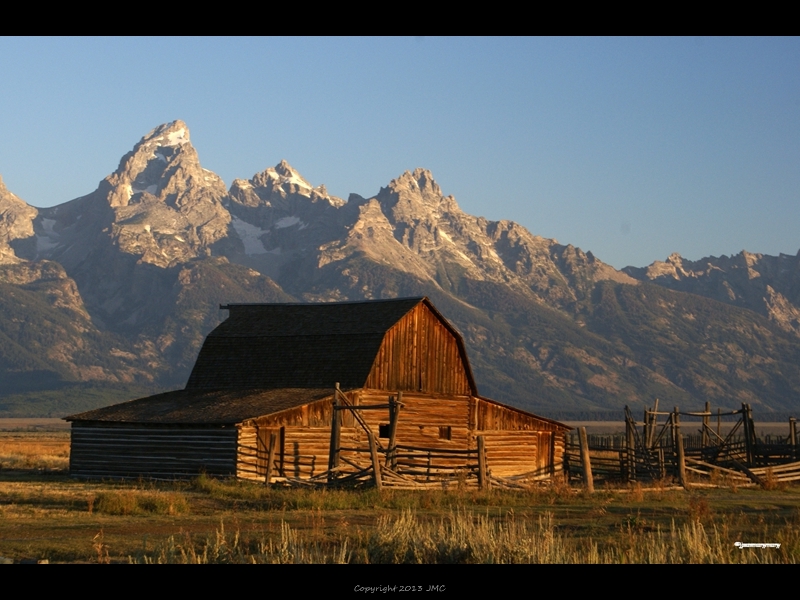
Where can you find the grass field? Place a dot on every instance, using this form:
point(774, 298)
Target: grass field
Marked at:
point(44, 515)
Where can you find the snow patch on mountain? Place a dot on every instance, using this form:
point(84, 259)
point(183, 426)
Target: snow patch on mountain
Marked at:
point(49, 239)
point(250, 236)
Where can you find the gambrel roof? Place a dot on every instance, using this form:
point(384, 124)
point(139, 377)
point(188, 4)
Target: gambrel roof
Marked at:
point(271, 346)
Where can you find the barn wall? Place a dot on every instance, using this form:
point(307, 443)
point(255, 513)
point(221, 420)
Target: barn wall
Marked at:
point(151, 451)
point(420, 354)
point(422, 419)
point(517, 443)
point(304, 435)
point(301, 452)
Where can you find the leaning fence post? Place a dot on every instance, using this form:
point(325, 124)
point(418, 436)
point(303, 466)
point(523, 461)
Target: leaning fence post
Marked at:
point(585, 461)
point(376, 466)
point(653, 422)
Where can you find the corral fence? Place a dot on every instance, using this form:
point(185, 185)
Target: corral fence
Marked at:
point(659, 448)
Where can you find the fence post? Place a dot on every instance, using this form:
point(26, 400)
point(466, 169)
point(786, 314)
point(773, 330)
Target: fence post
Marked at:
point(273, 442)
point(653, 422)
point(336, 427)
point(748, 431)
point(681, 464)
point(394, 413)
point(706, 416)
point(376, 466)
point(631, 447)
point(793, 436)
point(585, 461)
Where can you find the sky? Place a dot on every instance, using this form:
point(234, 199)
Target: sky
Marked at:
point(632, 148)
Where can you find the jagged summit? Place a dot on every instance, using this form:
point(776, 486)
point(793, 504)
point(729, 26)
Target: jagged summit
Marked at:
point(284, 173)
point(168, 134)
point(420, 179)
point(281, 186)
point(165, 208)
point(16, 222)
point(164, 164)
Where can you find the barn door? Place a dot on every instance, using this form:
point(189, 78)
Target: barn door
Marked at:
point(262, 450)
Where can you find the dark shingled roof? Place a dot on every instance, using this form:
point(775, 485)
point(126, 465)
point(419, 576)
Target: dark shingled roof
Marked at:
point(205, 407)
point(271, 346)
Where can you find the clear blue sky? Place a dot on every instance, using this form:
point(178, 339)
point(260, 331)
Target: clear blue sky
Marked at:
point(632, 148)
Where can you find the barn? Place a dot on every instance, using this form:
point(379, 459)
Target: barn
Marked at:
point(339, 392)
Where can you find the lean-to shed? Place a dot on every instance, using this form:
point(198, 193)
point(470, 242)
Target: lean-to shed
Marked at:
point(264, 384)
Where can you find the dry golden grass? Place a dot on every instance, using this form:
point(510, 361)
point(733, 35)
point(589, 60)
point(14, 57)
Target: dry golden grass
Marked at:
point(46, 515)
point(34, 451)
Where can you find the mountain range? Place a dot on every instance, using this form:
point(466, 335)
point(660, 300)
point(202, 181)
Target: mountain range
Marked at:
point(109, 296)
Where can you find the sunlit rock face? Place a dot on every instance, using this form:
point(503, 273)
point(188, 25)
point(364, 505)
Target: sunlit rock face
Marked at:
point(16, 223)
point(768, 285)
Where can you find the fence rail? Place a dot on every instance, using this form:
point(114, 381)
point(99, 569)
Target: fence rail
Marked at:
point(653, 450)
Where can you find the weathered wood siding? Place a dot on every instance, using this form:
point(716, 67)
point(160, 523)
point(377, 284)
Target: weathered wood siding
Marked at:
point(518, 453)
point(301, 452)
point(304, 435)
point(420, 354)
point(517, 443)
point(424, 419)
point(151, 451)
point(491, 415)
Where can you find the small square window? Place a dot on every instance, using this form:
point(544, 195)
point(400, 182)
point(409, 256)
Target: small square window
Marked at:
point(384, 430)
point(445, 433)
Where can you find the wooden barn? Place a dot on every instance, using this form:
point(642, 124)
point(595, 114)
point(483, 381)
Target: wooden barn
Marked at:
point(331, 392)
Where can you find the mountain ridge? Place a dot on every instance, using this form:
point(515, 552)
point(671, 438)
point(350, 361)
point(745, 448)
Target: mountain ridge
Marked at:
point(143, 261)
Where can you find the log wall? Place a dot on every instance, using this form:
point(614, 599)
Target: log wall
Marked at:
point(151, 451)
point(517, 444)
point(425, 420)
point(302, 452)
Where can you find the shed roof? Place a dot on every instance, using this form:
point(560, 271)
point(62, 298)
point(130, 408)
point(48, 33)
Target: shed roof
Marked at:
point(204, 407)
point(274, 346)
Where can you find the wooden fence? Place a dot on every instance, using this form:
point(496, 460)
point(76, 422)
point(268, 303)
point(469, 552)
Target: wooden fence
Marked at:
point(651, 450)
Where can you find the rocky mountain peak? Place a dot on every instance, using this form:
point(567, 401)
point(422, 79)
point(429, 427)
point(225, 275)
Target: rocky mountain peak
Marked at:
point(163, 165)
point(281, 187)
point(16, 222)
point(419, 183)
point(164, 207)
point(282, 179)
point(675, 259)
point(415, 198)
